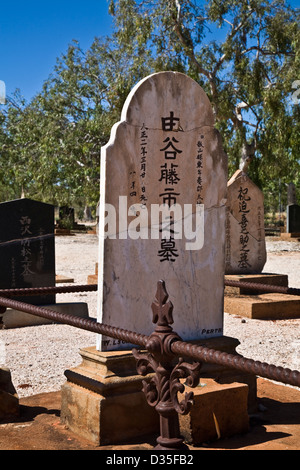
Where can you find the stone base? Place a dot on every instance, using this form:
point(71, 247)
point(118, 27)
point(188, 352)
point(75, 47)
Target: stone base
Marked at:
point(290, 236)
point(224, 375)
point(9, 400)
point(93, 278)
point(262, 278)
point(258, 305)
point(16, 319)
point(62, 279)
point(103, 401)
point(264, 306)
point(219, 411)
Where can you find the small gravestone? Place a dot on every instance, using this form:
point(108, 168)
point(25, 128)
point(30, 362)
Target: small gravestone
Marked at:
point(293, 219)
point(27, 250)
point(66, 217)
point(245, 234)
point(164, 153)
point(291, 194)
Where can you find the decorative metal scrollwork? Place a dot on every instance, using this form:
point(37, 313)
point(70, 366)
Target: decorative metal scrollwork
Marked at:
point(162, 389)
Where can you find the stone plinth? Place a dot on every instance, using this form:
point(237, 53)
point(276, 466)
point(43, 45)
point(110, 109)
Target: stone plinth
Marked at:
point(93, 278)
point(269, 279)
point(15, 319)
point(224, 375)
point(219, 411)
point(103, 401)
point(271, 306)
point(9, 401)
point(288, 237)
point(256, 304)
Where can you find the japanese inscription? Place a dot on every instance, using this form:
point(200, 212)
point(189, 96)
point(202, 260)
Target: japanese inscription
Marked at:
point(163, 180)
point(244, 198)
point(169, 178)
point(27, 250)
point(245, 248)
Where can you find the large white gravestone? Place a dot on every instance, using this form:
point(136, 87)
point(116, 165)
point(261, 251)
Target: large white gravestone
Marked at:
point(164, 153)
point(245, 233)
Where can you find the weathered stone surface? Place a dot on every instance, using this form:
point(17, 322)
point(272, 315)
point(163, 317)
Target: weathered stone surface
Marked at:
point(245, 251)
point(219, 411)
point(27, 249)
point(293, 219)
point(264, 306)
point(263, 278)
point(9, 400)
point(164, 150)
point(15, 319)
point(103, 400)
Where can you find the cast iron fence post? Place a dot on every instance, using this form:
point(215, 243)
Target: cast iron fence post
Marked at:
point(161, 391)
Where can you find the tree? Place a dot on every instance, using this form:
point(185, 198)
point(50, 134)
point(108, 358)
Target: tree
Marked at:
point(245, 54)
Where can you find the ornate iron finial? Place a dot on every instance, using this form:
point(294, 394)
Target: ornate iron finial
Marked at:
point(162, 389)
point(161, 308)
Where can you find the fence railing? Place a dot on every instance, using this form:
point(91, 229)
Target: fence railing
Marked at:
point(157, 355)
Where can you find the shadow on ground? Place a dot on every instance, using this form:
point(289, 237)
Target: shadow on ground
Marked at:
point(276, 427)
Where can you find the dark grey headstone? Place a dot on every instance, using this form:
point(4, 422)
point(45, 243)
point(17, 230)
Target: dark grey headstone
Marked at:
point(291, 194)
point(293, 218)
point(27, 248)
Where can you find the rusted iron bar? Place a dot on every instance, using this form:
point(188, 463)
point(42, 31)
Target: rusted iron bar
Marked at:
point(262, 287)
point(178, 347)
point(235, 361)
point(47, 290)
point(88, 324)
point(161, 348)
point(94, 287)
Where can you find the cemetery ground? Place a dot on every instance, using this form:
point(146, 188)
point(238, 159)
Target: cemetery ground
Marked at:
point(37, 357)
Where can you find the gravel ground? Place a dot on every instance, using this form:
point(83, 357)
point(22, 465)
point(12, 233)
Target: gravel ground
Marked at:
point(38, 356)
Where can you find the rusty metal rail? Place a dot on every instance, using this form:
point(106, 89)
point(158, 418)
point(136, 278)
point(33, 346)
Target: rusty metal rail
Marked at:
point(179, 347)
point(94, 287)
point(47, 290)
point(261, 287)
point(162, 346)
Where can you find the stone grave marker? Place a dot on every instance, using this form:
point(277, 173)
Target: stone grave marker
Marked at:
point(291, 194)
point(27, 250)
point(163, 154)
point(293, 219)
point(245, 233)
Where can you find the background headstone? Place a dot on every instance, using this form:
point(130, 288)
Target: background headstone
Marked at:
point(66, 217)
point(291, 194)
point(293, 218)
point(27, 250)
point(245, 251)
point(166, 150)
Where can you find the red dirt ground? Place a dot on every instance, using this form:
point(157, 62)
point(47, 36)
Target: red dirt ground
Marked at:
point(275, 428)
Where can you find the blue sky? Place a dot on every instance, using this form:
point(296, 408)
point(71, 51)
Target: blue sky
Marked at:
point(34, 33)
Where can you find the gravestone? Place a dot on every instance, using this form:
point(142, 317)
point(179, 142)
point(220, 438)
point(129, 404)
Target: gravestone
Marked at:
point(27, 250)
point(245, 251)
point(291, 194)
point(66, 217)
point(164, 153)
point(293, 219)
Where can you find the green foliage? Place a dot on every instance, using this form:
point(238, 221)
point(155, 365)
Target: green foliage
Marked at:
point(245, 54)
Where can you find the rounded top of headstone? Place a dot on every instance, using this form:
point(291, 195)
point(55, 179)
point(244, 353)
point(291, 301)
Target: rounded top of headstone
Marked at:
point(164, 92)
